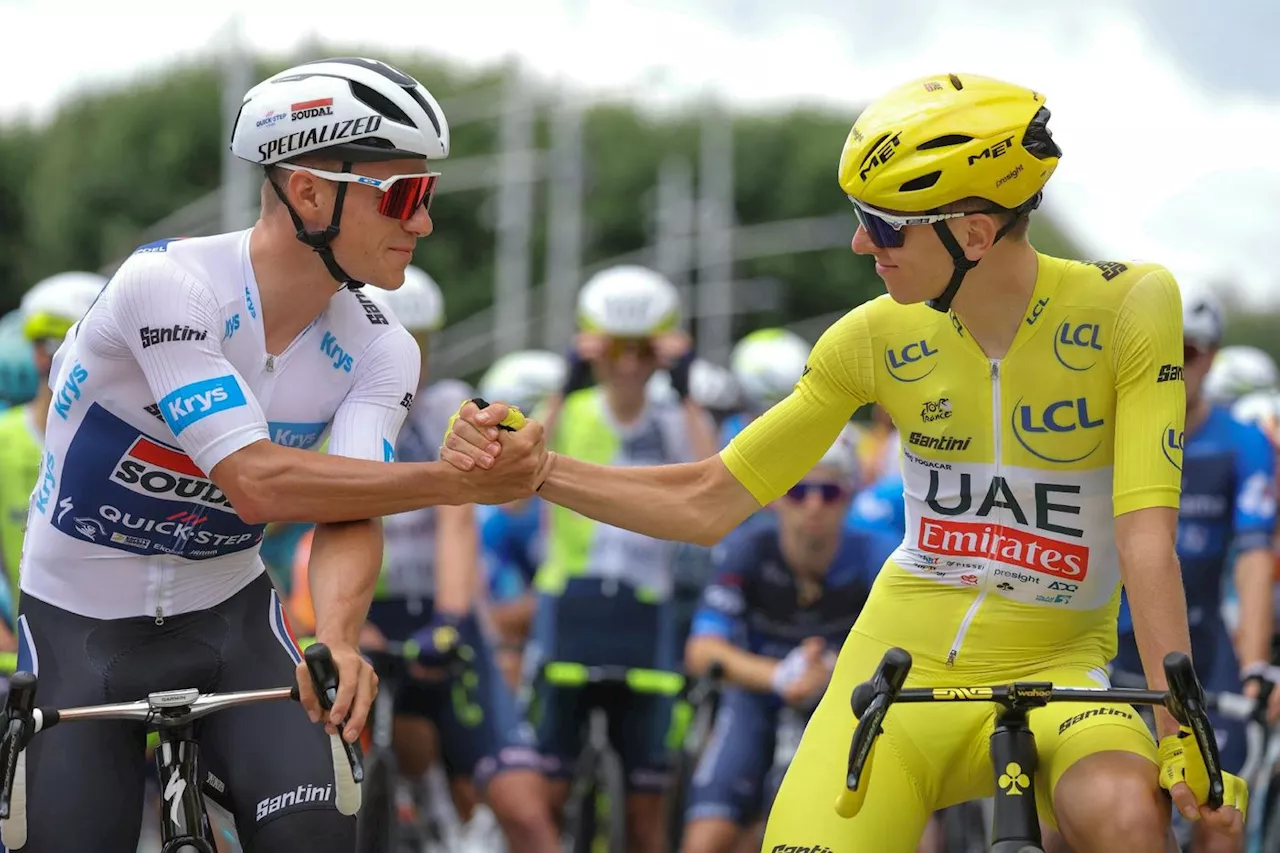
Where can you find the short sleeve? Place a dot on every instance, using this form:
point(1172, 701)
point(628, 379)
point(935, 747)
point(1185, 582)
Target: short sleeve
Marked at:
point(367, 422)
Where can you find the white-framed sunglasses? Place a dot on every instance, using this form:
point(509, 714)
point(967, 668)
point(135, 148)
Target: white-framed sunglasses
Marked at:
point(885, 229)
point(402, 195)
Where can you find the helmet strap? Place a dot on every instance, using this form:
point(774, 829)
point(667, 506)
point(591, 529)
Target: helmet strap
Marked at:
point(962, 264)
point(320, 241)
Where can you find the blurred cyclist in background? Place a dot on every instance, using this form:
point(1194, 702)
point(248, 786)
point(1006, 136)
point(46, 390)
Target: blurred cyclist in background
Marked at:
point(767, 364)
point(511, 533)
point(49, 309)
point(1240, 370)
point(17, 366)
point(603, 591)
point(427, 594)
point(1228, 505)
point(784, 596)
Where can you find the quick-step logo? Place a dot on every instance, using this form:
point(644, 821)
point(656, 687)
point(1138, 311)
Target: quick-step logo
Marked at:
point(197, 401)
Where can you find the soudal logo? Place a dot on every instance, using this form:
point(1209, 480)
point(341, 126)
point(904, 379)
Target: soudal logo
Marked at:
point(149, 468)
point(942, 443)
point(907, 364)
point(1010, 546)
point(70, 390)
point(311, 109)
point(151, 336)
point(1074, 345)
point(318, 137)
point(329, 346)
point(298, 796)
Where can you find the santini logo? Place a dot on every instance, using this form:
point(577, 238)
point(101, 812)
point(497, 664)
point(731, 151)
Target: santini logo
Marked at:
point(301, 794)
point(939, 442)
point(151, 337)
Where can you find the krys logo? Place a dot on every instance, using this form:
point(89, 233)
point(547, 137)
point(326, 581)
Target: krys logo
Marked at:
point(1056, 427)
point(329, 346)
point(195, 402)
point(910, 363)
point(1076, 347)
point(1171, 444)
point(70, 390)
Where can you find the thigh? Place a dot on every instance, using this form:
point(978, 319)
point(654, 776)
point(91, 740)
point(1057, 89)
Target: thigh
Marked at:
point(479, 733)
point(921, 747)
point(728, 783)
point(276, 764)
point(1066, 732)
point(84, 780)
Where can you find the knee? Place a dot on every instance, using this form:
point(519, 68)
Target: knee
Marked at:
point(519, 800)
point(644, 820)
point(1112, 803)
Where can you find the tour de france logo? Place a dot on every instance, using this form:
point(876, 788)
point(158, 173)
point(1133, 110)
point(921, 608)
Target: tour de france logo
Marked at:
point(936, 410)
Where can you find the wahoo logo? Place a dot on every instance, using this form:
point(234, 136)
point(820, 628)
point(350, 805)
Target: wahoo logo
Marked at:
point(330, 347)
point(149, 468)
point(151, 336)
point(199, 400)
point(298, 796)
point(904, 364)
point(70, 390)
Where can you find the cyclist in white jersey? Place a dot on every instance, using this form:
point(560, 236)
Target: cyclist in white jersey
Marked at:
point(603, 591)
point(427, 594)
point(183, 404)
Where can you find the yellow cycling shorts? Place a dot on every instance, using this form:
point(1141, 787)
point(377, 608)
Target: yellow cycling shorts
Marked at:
point(930, 755)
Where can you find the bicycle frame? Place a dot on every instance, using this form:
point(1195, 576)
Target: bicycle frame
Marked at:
point(1012, 745)
point(172, 714)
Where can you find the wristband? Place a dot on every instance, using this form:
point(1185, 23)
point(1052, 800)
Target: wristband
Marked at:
point(680, 372)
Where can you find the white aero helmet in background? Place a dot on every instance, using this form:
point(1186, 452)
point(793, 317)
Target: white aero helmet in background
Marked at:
point(354, 109)
point(768, 363)
point(1203, 319)
point(524, 378)
point(1261, 408)
point(628, 302)
point(842, 455)
point(55, 304)
point(418, 303)
point(1240, 370)
point(710, 386)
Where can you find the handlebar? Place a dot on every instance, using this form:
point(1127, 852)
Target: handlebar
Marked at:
point(1185, 700)
point(168, 709)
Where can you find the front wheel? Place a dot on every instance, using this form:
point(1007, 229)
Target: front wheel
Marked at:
point(377, 822)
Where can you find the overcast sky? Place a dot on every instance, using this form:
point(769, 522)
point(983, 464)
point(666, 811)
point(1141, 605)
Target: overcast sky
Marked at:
point(1168, 114)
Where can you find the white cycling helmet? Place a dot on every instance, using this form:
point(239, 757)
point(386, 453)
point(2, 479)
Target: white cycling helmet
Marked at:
point(768, 364)
point(1203, 319)
point(842, 455)
point(1261, 408)
point(1240, 370)
point(714, 387)
point(524, 378)
point(355, 109)
point(628, 302)
point(418, 303)
point(55, 304)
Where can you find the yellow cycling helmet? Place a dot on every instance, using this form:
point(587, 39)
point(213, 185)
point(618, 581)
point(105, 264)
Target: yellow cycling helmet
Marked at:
point(942, 139)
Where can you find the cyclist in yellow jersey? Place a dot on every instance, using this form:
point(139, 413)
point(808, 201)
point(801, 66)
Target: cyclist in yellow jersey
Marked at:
point(1041, 408)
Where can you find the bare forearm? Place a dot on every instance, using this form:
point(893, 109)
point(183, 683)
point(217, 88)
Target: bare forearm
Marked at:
point(457, 552)
point(287, 484)
point(345, 560)
point(1253, 587)
point(742, 668)
point(1153, 579)
point(696, 502)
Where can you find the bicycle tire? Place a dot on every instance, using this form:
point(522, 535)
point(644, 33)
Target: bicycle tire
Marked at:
point(681, 781)
point(615, 788)
point(377, 822)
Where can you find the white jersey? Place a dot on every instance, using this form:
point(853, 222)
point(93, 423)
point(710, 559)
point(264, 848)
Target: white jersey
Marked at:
point(409, 562)
point(165, 377)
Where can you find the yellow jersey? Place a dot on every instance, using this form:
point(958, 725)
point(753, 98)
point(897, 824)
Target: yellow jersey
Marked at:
point(1013, 468)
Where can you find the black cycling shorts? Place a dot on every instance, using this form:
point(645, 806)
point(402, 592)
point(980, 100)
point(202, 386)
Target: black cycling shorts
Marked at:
point(267, 763)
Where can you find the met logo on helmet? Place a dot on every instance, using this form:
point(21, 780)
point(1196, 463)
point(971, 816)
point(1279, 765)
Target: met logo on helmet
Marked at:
point(994, 151)
point(901, 363)
point(882, 152)
point(317, 137)
point(199, 400)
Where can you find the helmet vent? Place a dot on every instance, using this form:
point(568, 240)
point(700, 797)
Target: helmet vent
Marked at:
point(944, 141)
point(955, 81)
point(921, 183)
point(1038, 140)
point(379, 103)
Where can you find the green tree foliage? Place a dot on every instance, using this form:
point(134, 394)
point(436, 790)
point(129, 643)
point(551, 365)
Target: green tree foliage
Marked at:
point(79, 191)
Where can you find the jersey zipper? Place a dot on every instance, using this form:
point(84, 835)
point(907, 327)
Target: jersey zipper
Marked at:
point(972, 612)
